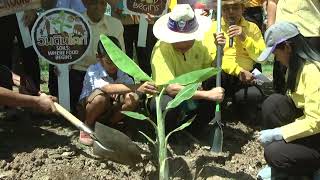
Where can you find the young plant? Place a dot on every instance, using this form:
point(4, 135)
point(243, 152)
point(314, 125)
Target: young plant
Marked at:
point(191, 81)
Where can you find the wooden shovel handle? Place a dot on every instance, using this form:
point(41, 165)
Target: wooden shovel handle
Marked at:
point(70, 117)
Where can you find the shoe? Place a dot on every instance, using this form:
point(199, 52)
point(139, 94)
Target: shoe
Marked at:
point(268, 173)
point(85, 139)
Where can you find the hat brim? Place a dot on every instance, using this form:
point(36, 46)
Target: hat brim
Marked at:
point(265, 54)
point(163, 33)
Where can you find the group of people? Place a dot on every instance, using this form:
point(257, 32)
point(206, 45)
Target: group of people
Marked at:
point(187, 42)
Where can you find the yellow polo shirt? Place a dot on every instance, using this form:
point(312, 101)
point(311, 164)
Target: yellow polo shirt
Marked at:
point(307, 96)
point(304, 13)
point(243, 54)
point(167, 63)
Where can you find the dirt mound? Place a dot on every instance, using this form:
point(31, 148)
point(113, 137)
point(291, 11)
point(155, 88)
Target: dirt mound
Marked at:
point(41, 148)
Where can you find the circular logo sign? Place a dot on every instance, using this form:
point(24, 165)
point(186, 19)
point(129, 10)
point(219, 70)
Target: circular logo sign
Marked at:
point(61, 36)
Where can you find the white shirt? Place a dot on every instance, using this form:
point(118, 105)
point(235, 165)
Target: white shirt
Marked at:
point(97, 77)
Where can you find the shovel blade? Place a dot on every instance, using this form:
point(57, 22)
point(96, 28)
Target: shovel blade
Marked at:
point(217, 132)
point(217, 139)
point(124, 151)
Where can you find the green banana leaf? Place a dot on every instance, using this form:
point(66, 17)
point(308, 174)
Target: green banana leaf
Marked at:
point(194, 76)
point(122, 61)
point(134, 115)
point(186, 124)
point(186, 93)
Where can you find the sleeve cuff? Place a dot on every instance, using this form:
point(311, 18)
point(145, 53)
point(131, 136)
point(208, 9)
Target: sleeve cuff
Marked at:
point(289, 134)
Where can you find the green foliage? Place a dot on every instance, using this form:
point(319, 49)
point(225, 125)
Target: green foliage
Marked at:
point(186, 93)
point(194, 76)
point(148, 138)
point(191, 81)
point(122, 61)
point(186, 124)
point(134, 115)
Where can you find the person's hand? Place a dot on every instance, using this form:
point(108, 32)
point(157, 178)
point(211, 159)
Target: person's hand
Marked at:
point(246, 77)
point(268, 136)
point(205, 12)
point(29, 17)
point(215, 94)
point(219, 39)
point(150, 18)
point(45, 103)
point(148, 88)
point(236, 31)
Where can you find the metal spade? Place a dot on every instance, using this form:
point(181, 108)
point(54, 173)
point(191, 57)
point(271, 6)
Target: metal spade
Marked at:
point(108, 142)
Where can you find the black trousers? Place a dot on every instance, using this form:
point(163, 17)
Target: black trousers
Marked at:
point(8, 31)
point(130, 36)
point(29, 58)
point(246, 99)
point(5, 77)
point(53, 81)
point(76, 84)
point(299, 157)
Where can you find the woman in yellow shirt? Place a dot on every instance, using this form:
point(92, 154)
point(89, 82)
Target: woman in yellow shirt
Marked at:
point(291, 144)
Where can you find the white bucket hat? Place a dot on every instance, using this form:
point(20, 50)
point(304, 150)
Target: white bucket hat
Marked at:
point(181, 25)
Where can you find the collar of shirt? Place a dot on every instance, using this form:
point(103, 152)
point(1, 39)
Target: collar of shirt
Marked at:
point(105, 76)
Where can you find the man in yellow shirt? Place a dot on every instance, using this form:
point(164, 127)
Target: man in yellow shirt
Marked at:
point(240, 55)
point(178, 52)
point(292, 146)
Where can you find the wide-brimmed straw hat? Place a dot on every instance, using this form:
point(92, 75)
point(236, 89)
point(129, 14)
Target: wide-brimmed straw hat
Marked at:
point(181, 25)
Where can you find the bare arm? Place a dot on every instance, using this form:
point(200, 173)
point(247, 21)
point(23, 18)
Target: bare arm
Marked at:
point(215, 94)
point(271, 12)
point(42, 102)
point(147, 87)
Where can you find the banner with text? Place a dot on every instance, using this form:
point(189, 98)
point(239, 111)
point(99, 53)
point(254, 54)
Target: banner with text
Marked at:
point(154, 7)
point(61, 36)
point(8, 7)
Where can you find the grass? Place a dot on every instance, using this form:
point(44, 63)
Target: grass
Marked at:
point(267, 68)
point(44, 68)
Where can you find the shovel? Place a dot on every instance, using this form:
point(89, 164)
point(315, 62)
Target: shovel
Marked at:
point(109, 143)
point(216, 121)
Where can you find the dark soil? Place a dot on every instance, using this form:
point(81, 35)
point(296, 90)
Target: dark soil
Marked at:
point(40, 147)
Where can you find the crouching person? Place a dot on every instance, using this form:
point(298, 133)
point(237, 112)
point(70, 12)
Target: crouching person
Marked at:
point(291, 142)
point(107, 91)
point(180, 51)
